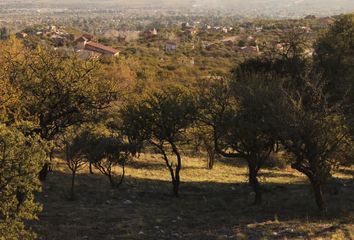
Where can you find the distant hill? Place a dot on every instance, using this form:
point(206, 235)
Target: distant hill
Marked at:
point(256, 7)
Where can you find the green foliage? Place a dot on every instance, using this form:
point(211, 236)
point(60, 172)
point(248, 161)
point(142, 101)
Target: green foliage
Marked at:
point(334, 54)
point(240, 115)
point(335, 59)
point(162, 115)
point(74, 144)
point(107, 152)
point(20, 160)
point(311, 130)
point(58, 91)
point(161, 118)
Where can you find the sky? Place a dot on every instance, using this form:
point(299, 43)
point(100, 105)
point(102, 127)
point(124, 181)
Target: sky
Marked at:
point(302, 7)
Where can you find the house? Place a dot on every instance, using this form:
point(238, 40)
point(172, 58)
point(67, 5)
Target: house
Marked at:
point(85, 37)
point(212, 46)
point(100, 48)
point(185, 26)
point(249, 50)
point(251, 41)
point(21, 35)
point(57, 40)
point(259, 29)
point(306, 29)
point(52, 28)
point(224, 30)
point(170, 47)
point(150, 33)
point(206, 27)
point(83, 43)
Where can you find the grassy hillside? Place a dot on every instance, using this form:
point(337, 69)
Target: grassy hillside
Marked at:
point(213, 205)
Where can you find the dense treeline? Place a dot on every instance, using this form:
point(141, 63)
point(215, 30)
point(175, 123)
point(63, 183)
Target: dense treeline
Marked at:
point(87, 113)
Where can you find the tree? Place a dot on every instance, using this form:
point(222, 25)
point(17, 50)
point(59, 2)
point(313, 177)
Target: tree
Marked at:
point(106, 153)
point(214, 102)
point(334, 58)
point(161, 119)
point(334, 55)
point(73, 145)
point(290, 61)
point(203, 140)
point(57, 91)
point(313, 131)
point(239, 113)
point(4, 33)
point(10, 95)
point(20, 158)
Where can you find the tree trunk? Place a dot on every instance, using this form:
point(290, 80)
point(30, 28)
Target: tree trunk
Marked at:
point(111, 181)
point(255, 184)
point(175, 187)
point(176, 180)
point(72, 191)
point(90, 166)
point(50, 169)
point(43, 173)
point(316, 185)
point(211, 159)
point(317, 189)
point(122, 177)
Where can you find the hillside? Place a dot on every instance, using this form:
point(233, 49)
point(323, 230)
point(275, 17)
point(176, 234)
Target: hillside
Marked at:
point(213, 205)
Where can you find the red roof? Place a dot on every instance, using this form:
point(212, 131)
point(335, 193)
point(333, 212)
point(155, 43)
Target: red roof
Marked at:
point(100, 48)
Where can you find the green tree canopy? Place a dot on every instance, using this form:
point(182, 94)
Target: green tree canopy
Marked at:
point(20, 159)
point(161, 119)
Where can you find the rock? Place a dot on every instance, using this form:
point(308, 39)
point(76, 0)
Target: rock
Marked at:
point(141, 233)
point(128, 202)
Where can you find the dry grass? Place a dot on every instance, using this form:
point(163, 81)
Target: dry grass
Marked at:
point(213, 205)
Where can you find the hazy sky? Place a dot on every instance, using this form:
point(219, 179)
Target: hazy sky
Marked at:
point(299, 7)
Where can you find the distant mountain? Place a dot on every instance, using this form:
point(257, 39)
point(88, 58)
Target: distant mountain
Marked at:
point(272, 8)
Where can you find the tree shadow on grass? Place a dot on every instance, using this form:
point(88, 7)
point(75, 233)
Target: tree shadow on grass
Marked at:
point(232, 162)
point(146, 209)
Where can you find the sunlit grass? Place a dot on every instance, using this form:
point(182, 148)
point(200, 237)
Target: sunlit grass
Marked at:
point(214, 204)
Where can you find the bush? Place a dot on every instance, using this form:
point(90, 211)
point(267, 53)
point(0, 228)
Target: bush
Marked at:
point(20, 160)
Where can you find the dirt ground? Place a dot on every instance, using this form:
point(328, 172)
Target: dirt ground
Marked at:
point(213, 204)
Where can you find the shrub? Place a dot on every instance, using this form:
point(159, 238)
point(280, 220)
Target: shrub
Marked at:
point(20, 160)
